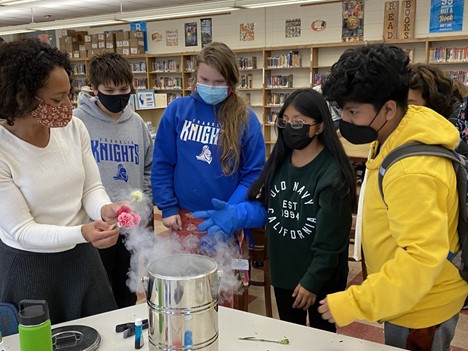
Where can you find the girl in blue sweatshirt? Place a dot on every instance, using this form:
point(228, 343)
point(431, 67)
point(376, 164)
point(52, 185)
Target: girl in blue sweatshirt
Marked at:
point(208, 145)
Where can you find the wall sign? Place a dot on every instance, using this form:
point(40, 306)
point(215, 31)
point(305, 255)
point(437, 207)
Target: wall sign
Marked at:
point(446, 16)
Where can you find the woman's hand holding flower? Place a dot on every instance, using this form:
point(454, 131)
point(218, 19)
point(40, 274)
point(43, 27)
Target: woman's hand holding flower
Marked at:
point(109, 214)
point(100, 234)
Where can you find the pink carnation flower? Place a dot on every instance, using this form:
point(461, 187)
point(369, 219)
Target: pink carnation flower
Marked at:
point(126, 220)
point(123, 209)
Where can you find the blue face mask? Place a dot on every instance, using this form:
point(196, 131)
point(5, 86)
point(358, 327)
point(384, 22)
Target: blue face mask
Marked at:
point(211, 94)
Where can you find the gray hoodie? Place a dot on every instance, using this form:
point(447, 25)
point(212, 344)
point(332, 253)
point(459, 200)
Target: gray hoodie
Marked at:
point(123, 149)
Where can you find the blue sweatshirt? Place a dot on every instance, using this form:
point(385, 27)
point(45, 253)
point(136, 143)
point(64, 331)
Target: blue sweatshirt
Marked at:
point(187, 171)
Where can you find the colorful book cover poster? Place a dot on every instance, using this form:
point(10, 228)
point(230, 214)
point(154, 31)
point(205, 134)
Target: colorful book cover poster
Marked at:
point(353, 21)
point(191, 34)
point(247, 32)
point(206, 31)
point(446, 16)
point(172, 37)
point(292, 28)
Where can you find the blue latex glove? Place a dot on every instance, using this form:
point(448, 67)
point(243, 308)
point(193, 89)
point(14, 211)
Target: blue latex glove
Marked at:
point(239, 195)
point(227, 218)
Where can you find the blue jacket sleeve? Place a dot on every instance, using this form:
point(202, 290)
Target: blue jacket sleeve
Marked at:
point(164, 161)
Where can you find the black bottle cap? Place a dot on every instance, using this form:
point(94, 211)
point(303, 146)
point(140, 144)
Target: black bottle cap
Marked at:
point(33, 312)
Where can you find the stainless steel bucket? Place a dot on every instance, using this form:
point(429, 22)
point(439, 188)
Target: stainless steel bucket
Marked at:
point(182, 296)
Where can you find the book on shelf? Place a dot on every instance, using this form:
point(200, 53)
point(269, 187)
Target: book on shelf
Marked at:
point(139, 83)
point(280, 81)
point(272, 116)
point(191, 64)
point(138, 67)
point(167, 83)
point(276, 98)
point(246, 81)
point(247, 62)
point(169, 65)
point(448, 55)
point(290, 60)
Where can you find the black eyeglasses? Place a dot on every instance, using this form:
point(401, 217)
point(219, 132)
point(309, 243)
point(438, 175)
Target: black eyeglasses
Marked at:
point(295, 124)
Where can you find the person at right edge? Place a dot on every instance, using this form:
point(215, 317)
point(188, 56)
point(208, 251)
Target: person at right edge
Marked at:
point(411, 285)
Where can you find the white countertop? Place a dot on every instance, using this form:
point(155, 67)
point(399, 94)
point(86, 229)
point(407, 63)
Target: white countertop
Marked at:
point(233, 324)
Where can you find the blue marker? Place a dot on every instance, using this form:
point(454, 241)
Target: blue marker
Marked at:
point(138, 333)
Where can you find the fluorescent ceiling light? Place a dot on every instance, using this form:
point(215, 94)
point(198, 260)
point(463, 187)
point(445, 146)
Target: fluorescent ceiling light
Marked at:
point(130, 17)
point(15, 30)
point(255, 5)
point(75, 22)
point(15, 2)
point(179, 11)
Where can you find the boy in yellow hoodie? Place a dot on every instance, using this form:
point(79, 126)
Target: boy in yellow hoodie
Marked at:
point(411, 286)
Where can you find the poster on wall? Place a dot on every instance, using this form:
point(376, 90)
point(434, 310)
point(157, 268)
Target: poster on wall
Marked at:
point(292, 28)
point(172, 37)
point(191, 34)
point(446, 16)
point(145, 100)
point(353, 21)
point(206, 31)
point(141, 26)
point(156, 36)
point(246, 31)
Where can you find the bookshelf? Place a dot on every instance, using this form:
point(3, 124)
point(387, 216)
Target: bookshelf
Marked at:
point(165, 75)
point(285, 70)
point(139, 65)
point(269, 75)
point(80, 73)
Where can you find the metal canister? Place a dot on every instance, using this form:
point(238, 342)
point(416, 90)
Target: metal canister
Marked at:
point(182, 297)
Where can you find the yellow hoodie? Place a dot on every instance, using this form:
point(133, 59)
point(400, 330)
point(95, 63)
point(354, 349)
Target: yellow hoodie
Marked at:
point(410, 282)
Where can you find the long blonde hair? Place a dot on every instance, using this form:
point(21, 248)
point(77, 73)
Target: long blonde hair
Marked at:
point(233, 114)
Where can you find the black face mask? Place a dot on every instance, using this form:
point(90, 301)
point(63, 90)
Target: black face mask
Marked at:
point(359, 134)
point(297, 139)
point(114, 103)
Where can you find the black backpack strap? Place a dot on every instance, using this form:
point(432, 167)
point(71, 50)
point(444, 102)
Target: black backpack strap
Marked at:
point(413, 149)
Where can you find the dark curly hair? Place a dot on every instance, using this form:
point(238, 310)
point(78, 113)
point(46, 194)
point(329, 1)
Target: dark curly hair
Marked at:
point(436, 87)
point(369, 74)
point(24, 68)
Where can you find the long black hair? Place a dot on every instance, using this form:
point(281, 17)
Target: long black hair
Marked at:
point(310, 103)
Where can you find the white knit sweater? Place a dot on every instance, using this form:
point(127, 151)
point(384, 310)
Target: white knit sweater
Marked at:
point(46, 194)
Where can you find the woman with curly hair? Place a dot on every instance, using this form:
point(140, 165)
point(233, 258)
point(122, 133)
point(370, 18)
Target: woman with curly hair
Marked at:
point(50, 187)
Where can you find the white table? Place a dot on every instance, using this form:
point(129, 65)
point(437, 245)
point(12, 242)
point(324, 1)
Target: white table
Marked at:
point(232, 325)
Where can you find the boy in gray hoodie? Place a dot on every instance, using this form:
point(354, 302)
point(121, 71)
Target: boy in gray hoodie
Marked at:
point(123, 149)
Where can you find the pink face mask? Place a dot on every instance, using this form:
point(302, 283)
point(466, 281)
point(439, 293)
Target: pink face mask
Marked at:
point(52, 116)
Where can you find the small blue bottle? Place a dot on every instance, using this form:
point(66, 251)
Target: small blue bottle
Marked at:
point(138, 333)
